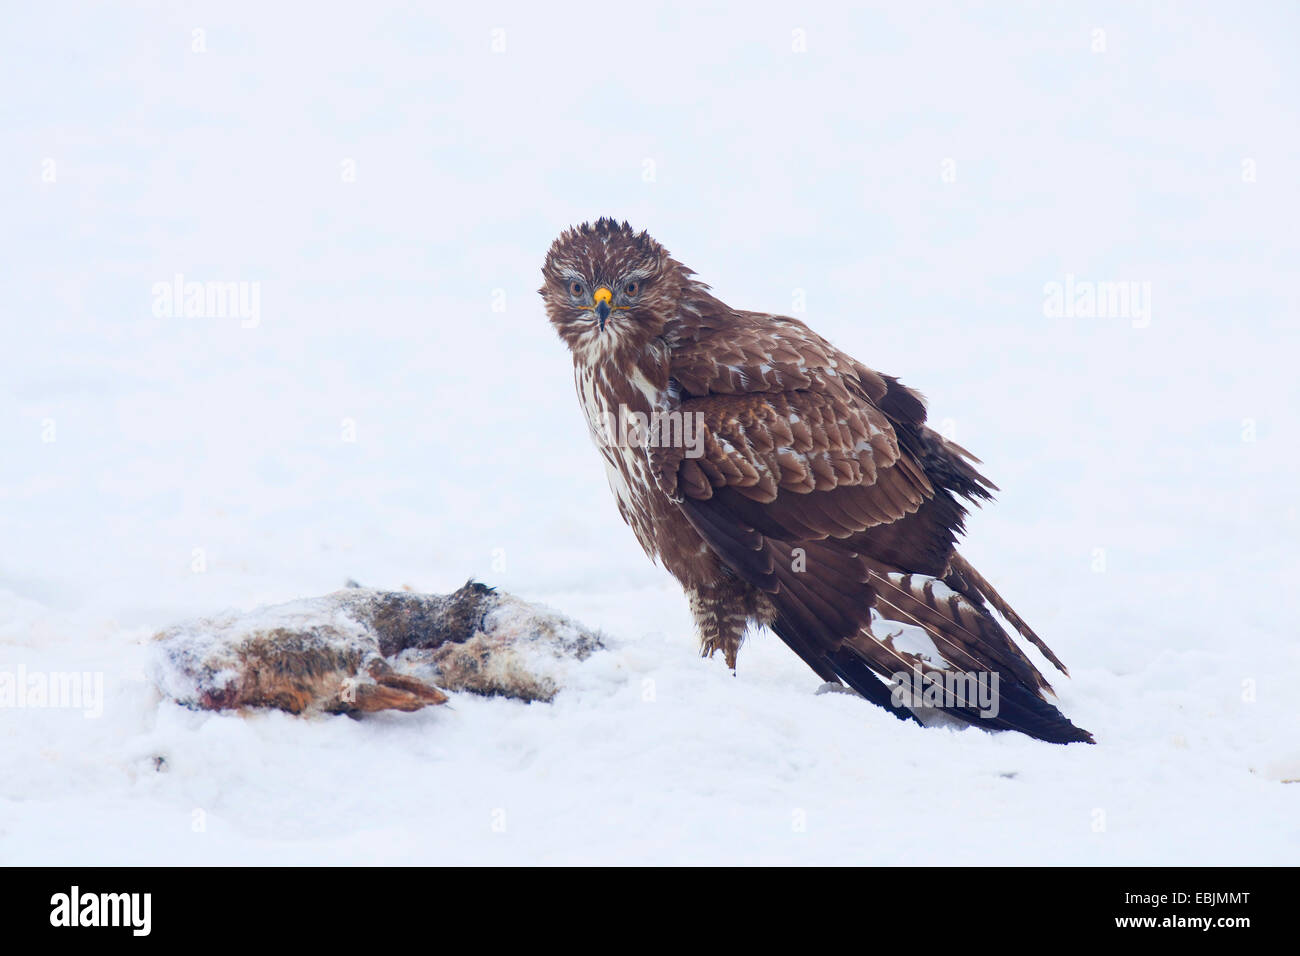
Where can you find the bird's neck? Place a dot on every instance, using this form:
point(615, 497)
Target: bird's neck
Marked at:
point(635, 379)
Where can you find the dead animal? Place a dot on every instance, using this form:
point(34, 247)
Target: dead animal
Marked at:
point(361, 650)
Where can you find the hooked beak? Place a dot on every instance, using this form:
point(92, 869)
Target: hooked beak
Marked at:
point(602, 298)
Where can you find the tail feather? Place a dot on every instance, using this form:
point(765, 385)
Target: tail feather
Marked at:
point(968, 635)
point(962, 568)
point(968, 645)
point(824, 603)
point(1016, 707)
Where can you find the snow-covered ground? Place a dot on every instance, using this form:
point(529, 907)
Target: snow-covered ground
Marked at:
point(398, 411)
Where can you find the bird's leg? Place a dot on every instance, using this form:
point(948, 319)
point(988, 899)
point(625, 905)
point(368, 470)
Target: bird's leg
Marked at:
point(722, 614)
point(721, 624)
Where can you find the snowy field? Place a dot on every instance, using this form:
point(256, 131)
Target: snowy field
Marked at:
point(396, 410)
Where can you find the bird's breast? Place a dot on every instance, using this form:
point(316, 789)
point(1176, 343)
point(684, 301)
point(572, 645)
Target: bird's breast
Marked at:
point(616, 407)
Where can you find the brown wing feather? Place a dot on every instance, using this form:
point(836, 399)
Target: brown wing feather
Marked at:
point(820, 483)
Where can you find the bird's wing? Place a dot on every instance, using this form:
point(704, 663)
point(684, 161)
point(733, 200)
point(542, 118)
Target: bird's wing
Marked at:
point(818, 482)
point(805, 443)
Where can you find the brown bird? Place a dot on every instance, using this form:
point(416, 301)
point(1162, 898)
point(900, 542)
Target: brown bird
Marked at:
point(785, 484)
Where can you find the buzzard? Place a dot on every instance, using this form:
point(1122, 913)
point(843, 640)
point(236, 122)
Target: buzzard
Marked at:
point(785, 484)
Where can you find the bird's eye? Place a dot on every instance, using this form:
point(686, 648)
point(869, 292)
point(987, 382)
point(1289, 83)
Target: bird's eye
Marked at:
point(575, 288)
point(631, 288)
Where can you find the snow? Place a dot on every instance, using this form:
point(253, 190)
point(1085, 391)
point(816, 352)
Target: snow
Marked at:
point(401, 413)
point(907, 638)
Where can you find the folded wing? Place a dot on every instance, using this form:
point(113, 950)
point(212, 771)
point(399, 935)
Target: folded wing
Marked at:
point(819, 482)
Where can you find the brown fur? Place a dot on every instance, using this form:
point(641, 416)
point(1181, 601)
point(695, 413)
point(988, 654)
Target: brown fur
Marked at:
point(359, 651)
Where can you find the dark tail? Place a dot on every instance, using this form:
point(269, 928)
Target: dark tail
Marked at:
point(971, 669)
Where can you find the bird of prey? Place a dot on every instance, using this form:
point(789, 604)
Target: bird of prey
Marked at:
point(785, 484)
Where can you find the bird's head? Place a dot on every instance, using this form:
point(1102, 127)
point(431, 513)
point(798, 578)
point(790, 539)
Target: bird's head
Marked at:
point(607, 286)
